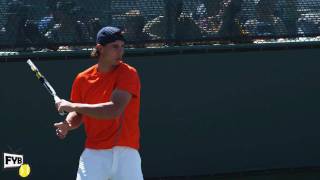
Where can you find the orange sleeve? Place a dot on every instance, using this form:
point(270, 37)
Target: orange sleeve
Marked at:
point(129, 81)
point(75, 91)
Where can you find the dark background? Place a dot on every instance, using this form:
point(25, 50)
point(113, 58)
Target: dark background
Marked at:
point(200, 113)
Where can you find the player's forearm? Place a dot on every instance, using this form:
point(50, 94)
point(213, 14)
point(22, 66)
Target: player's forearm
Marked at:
point(106, 110)
point(74, 120)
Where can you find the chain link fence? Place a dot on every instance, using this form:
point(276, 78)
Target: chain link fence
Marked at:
point(53, 23)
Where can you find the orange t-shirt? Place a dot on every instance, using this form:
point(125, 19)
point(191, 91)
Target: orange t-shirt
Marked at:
point(92, 87)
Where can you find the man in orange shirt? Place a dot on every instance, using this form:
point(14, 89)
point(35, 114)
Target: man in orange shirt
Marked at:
point(106, 99)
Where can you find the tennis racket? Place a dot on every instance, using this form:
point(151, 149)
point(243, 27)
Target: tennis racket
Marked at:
point(45, 83)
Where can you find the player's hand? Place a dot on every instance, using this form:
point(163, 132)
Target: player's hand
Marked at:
point(62, 129)
point(64, 106)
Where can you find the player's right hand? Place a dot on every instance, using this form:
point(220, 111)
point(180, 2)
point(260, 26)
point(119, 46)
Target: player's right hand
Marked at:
point(62, 129)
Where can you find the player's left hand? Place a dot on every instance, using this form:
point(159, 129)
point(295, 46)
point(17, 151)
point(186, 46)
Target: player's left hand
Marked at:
point(65, 106)
point(62, 129)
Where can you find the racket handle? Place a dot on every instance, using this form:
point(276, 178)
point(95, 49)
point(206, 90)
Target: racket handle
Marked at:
point(57, 99)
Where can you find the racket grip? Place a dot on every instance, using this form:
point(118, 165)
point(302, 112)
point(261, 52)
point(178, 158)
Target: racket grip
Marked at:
point(57, 99)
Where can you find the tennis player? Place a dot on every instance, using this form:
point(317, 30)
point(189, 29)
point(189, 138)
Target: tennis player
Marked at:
point(106, 99)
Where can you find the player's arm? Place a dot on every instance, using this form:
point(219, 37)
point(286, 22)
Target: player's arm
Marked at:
point(109, 110)
point(72, 121)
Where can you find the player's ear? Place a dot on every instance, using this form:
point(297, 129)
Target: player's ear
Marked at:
point(99, 47)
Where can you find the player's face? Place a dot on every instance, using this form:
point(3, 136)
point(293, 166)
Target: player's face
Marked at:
point(112, 52)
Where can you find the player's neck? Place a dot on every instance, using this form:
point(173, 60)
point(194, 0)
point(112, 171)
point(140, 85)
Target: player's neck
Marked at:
point(106, 66)
point(103, 68)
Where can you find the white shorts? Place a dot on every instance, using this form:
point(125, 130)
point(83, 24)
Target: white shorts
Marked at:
point(118, 163)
